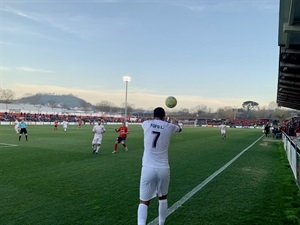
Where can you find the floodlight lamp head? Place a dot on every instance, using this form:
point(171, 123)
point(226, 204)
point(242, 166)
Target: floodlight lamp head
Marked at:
point(126, 79)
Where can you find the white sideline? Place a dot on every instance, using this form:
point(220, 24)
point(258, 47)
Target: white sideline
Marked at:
point(200, 186)
point(5, 145)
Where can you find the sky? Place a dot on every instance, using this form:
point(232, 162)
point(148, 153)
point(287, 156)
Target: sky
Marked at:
point(213, 53)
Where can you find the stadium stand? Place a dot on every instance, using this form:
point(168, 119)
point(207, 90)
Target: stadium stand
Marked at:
point(288, 90)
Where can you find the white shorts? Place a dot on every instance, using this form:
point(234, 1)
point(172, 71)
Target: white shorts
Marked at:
point(223, 132)
point(97, 140)
point(154, 182)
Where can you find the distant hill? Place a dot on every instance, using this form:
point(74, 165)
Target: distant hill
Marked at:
point(52, 100)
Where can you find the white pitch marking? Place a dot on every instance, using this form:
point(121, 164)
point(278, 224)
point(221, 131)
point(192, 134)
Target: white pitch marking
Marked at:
point(5, 145)
point(200, 186)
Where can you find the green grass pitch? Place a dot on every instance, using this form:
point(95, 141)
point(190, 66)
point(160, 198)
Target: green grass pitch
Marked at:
point(54, 179)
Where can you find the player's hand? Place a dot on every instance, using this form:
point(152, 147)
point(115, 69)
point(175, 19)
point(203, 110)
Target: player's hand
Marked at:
point(174, 121)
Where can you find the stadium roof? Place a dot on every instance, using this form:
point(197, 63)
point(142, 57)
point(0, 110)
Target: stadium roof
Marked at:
point(288, 90)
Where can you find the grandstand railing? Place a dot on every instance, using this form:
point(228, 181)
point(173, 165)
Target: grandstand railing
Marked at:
point(292, 149)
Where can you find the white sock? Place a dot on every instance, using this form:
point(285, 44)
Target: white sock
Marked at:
point(142, 214)
point(162, 211)
point(97, 149)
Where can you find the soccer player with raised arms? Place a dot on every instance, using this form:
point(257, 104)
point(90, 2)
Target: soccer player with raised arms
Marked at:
point(155, 173)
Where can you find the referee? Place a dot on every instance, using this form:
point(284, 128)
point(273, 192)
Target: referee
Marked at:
point(23, 130)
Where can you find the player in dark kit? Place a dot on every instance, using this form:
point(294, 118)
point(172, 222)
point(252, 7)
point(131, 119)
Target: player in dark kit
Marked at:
point(23, 129)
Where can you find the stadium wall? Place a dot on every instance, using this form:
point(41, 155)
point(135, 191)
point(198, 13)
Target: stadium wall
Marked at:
point(292, 149)
point(60, 123)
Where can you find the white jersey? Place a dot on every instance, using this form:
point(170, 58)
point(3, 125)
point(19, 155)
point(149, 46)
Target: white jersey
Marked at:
point(16, 124)
point(223, 128)
point(98, 129)
point(65, 124)
point(157, 134)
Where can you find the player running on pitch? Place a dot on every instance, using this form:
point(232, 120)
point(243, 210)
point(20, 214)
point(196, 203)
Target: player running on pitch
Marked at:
point(17, 126)
point(223, 130)
point(98, 130)
point(123, 131)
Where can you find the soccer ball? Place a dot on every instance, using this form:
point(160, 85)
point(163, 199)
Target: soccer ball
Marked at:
point(171, 102)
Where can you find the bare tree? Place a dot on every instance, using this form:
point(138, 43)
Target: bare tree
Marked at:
point(280, 114)
point(130, 108)
point(38, 106)
point(52, 104)
point(249, 105)
point(104, 106)
point(182, 112)
point(225, 113)
point(200, 110)
point(272, 105)
point(85, 106)
point(6, 96)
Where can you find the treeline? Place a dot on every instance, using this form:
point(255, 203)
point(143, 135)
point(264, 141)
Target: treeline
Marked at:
point(248, 109)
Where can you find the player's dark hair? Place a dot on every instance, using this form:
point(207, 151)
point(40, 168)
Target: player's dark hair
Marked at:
point(159, 112)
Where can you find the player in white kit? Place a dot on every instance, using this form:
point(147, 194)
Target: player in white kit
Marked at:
point(223, 128)
point(155, 173)
point(65, 124)
point(98, 130)
point(17, 126)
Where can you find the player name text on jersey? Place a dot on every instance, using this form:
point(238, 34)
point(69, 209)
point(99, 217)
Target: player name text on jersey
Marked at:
point(157, 126)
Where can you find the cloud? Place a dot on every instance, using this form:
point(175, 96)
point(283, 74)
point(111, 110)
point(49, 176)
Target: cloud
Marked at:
point(43, 19)
point(228, 5)
point(268, 5)
point(196, 9)
point(6, 43)
point(136, 98)
point(18, 13)
point(5, 69)
point(32, 70)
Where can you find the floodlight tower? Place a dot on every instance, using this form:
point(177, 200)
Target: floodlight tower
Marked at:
point(126, 79)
